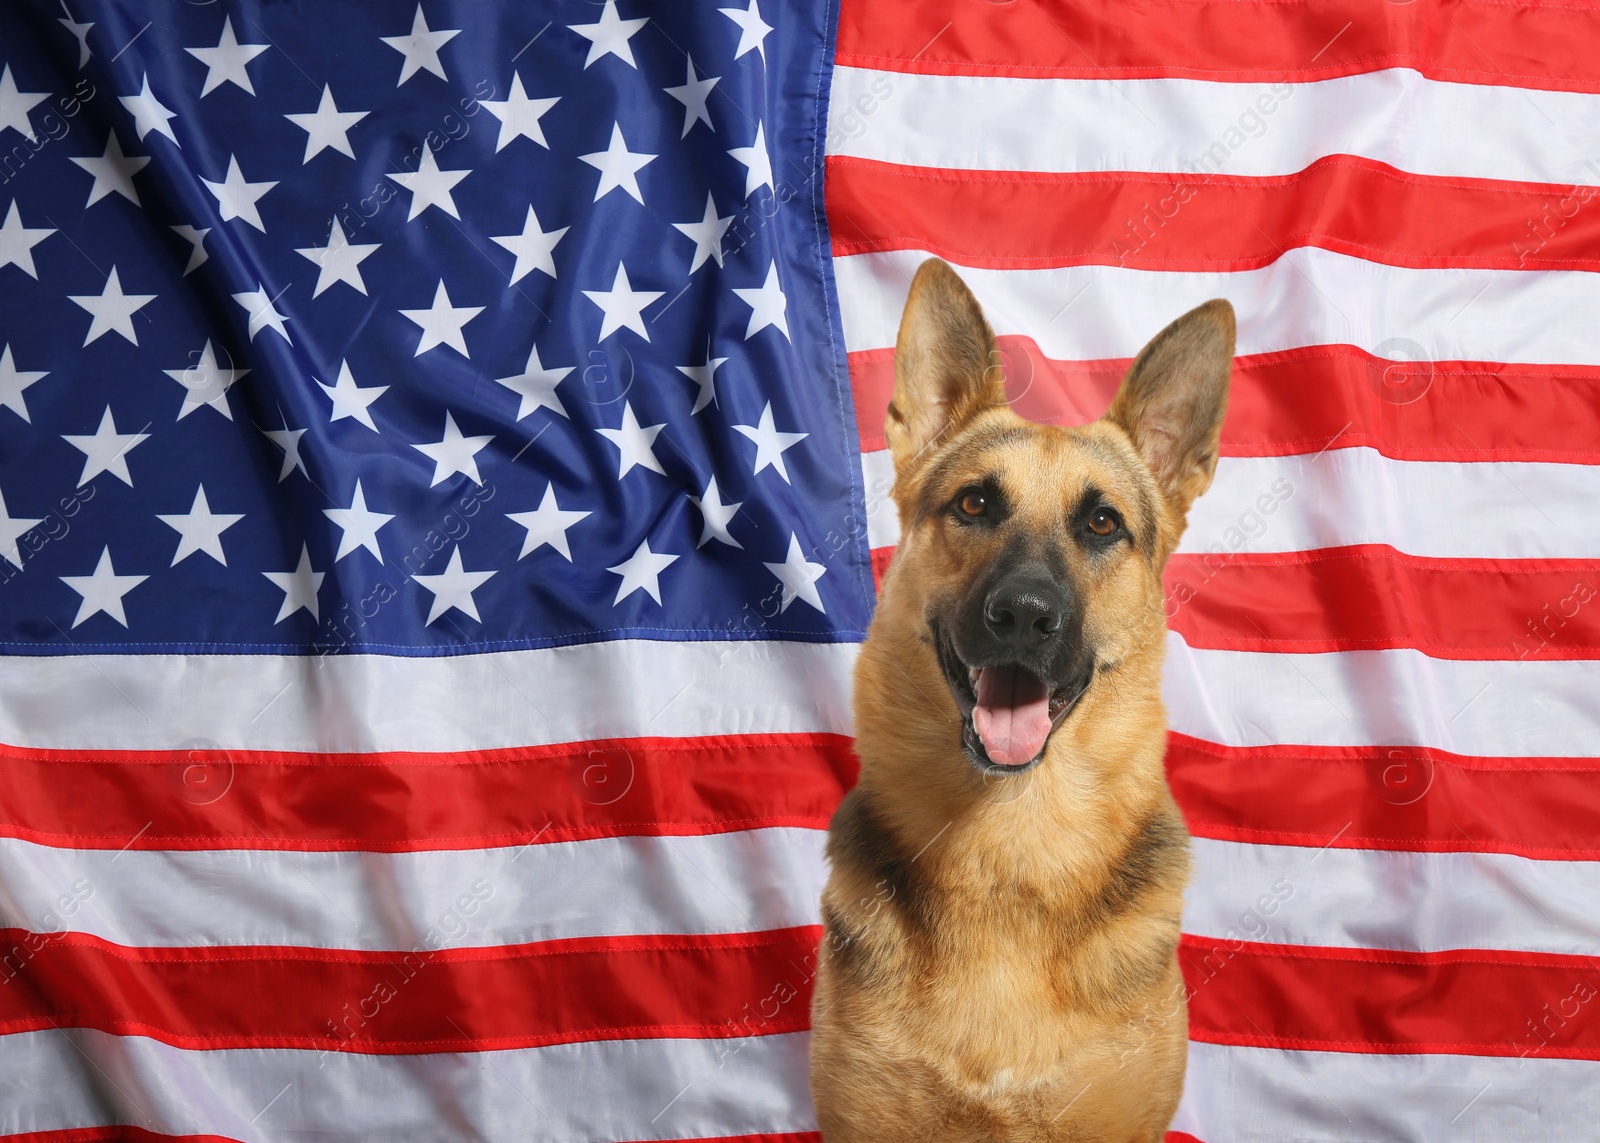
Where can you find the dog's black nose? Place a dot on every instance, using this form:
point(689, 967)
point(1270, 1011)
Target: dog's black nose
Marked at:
point(1022, 612)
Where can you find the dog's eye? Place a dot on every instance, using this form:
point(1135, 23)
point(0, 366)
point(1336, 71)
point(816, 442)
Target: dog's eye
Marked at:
point(1103, 522)
point(973, 502)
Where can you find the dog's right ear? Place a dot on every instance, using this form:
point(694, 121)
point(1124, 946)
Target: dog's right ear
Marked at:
point(946, 368)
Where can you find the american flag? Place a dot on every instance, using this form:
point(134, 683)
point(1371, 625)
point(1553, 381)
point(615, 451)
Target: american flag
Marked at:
point(442, 472)
point(434, 556)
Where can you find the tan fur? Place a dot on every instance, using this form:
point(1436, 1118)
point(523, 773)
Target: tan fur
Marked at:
point(999, 955)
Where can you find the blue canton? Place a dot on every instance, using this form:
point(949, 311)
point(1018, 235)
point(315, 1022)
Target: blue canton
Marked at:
point(419, 328)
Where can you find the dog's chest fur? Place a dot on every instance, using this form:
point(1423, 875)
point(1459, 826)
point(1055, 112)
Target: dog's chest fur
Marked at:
point(1006, 990)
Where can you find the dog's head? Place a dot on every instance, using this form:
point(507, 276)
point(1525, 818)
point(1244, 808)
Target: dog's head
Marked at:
point(1030, 556)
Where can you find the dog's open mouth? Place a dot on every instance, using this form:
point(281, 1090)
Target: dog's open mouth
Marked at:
point(1008, 711)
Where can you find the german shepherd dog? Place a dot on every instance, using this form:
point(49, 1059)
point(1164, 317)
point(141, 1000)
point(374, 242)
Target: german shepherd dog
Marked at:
point(1001, 918)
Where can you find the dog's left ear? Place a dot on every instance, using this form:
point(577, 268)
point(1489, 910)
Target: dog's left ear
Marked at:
point(1173, 399)
point(946, 369)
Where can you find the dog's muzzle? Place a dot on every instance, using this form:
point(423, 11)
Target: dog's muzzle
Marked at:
point(1009, 708)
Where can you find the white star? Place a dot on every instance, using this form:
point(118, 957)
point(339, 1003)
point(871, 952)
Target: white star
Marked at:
point(349, 400)
point(15, 105)
point(106, 450)
point(289, 441)
point(13, 381)
point(327, 127)
point(197, 239)
point(767, 305)
point(770, 443)
point(80, 32)
point(237, 198)
point(200, 529)
point(618, 166)
point(13, 529)
point(546, 524)
point(753, 30)
point(225, 62)
point(205, 384)
point(299, 587)
point(622, 305)
point(455, 453)
point(642, 572)
point(149, 113)
point(693, 95)
point(706, 234)
point(102, 591)
point(263, 312)
point(421, 48)
point(634, 441)
point(536, 386)
point(610, 35)
point(442, 323)
point(534, 247)
point(705, 377)
point(112, 309)
point(757, 162)
point(338, 261)
point(799, 577)
point(17, 242)
point(717, 516)
point(429, 186)
point(453, 587)
point(360, 525)
point(113, 171)
point(519, 116)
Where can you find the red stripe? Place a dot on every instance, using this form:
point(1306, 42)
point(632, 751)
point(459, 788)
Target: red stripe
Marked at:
point(396, 802)
point(1374, 1000)
point(1393, 797)
point(450, 1000)
point(1370, 596)
point(1018, 220)
point(1316, 397)
point(880, 561)
point(1550, 46)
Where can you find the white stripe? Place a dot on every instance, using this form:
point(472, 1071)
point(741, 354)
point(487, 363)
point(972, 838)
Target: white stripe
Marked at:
point(1394, 116)
point(1308, 296)
point(1482, 509)
point(590, 1092)
point(1261, 1095)
point(1385, 899)
point(1344, 496)
point(718, 883)
point(883, 518)
point(360, 703)
point(1357, 698)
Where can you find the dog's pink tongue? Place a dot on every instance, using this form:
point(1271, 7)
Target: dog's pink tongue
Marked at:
point(1013, 714)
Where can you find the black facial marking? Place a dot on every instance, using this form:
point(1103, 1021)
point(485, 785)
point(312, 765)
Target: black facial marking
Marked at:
point(1091, 503)
point(1143, 530)
point(996, 507)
